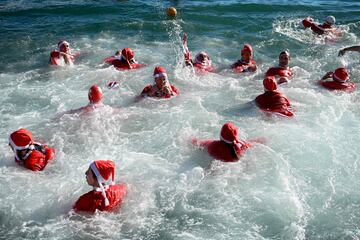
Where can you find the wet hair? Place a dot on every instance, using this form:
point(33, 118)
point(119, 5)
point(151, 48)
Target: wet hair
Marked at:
point(285, 52)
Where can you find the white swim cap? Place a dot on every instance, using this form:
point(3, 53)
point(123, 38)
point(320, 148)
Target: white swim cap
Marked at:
point(330, 19)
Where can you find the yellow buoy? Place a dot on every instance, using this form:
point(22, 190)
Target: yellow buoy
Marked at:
point(171, 12)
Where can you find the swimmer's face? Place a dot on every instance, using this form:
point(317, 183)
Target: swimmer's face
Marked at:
point(90, 177)
point(160, 81)
point(284, 59)
point(246, 56)
point(65, 48)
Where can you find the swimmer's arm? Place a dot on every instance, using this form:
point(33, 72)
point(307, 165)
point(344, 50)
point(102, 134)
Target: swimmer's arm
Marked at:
point(353, 48)
point(327, 75)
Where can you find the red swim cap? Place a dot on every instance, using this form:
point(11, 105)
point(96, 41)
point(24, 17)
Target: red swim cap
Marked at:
point(127, 53)
point(95, 94)
point(341, 75)
point(270, 83)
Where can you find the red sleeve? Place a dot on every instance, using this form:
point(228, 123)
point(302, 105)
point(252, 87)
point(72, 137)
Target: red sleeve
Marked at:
point(49, 152)
point(54, 54)
point(201, 143)
point(146, 89)
point(86, 203)
point(36, 161)
point(174, 89)
point(270, 72)
point(137, 65)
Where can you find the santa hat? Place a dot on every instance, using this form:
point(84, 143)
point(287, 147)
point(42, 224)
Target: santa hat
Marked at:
point(247, 48)
point(104, 170)
point(229, 135)
point(160, 72)
point(128, 54)
point(20, 140)
point(330, 20)
point(95, 94)
point(270, 83)
point(341, 75)
point(62, 43)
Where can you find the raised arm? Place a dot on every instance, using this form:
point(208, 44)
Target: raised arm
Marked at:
point(353, 48)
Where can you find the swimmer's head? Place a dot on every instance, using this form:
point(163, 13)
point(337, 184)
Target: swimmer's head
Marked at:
point(160, 76)
point(270, 83)
point(64, 46)
point(229, 133)
point(330, 20)
point(284, 58)
point(20, 142)
point(95, 94)
point(246, 52)
point(202, 58)
point(341, 75)
point(103, 171)
point(128, 54)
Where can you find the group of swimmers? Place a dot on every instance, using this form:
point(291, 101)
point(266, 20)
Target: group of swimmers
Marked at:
point(106, 195)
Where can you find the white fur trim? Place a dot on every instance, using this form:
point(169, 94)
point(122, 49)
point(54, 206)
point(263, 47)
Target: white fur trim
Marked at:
point(99, 178)
point(160, 75)
point(17, 147)
point(338, 79)
point(62, 43)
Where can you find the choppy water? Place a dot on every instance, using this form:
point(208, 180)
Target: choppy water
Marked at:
point(303, 183)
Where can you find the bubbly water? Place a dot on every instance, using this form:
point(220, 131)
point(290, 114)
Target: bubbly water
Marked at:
point(302, 183)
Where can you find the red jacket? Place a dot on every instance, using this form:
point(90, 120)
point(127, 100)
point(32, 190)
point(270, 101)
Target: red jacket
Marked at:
point(279, 71)
point(274, 101)
point(334, 85)
point(55, 58)
point(241, 66)
point(93, 200)
point(38, 158)
point(122, 64)
point(223, 151)
point(149, 87)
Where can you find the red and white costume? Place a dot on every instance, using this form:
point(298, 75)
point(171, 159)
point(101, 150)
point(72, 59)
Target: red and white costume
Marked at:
point(272, 100)
point(279, 71)
point(245, 66)
point(95, 96)
point(36, 154)
point(166, 91)
point(229, 148)
point(340, 81)
point(319, 28)
point(106, 197)
point(124, 61)
point(56, 57)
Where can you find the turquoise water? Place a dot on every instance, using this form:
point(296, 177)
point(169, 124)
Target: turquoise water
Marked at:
point(303, 183)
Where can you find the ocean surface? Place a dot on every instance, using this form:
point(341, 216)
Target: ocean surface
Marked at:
point(302, 183)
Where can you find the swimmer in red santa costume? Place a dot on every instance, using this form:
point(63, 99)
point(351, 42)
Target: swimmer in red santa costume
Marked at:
point(229, 148)
point(246, 63)
point(124, 60)
point(340, 80)
point(162, 87)
point(28, 153)
point(106, 195)
point(282, 72)
point(272, 100)
point(62, 55)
